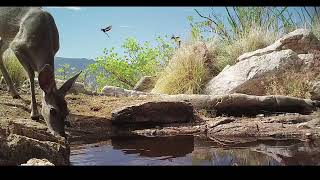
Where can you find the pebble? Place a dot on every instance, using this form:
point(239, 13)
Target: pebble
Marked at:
point(260, 115)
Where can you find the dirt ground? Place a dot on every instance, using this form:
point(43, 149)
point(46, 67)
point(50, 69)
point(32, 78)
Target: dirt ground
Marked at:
point(89, 115)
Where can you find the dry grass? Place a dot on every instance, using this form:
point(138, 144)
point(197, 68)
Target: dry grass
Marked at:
point(257, 38)
point(186, 72)
point(292, 83)
point(16, 71)
point(316, 29)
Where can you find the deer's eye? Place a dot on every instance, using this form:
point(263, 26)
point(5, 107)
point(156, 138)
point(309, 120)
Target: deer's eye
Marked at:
point(53, 111)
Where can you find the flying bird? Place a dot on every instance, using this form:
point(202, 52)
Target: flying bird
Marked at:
point(177, 40)
point(105, 30)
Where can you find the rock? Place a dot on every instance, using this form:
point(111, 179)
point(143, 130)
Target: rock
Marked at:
point(301, 41)
point(117, 91)
point(246, 76)
point(38, 162)
point(315, 90)
point(145, 84)
point(224, 120)
point(21, 140)
point(298, 50)
point(154, 112)
point(75, 89)
point(314, 123)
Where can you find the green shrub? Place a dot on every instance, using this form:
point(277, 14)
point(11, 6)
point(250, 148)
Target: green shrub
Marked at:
point(126, 70)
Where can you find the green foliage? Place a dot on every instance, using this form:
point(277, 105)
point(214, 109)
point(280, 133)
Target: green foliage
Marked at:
point(64, 72)
point(138, 60)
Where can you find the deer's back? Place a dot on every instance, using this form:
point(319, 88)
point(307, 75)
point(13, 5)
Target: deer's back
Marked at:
point(10, 19)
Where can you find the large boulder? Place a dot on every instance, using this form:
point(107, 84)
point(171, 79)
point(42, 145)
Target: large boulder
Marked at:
point(145, 84)
point(301, 41)
point(295, 50)
point(246, 76)
point(21, 140)
point(154, 112)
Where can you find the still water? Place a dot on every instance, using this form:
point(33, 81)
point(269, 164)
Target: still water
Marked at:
point(190, 150)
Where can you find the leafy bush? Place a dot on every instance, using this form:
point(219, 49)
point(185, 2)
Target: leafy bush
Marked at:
point(138, 60)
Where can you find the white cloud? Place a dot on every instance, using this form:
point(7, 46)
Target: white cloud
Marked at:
point(68, 7)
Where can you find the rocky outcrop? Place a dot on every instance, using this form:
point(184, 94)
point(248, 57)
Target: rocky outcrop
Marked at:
point(301, 41)
point(315, 90)
point(295, 50)
point(230, 131)
point(21, 140)
point(154, 112)
point(246, 76)
point(38, 162)
point(145, 84)
point(117, 91)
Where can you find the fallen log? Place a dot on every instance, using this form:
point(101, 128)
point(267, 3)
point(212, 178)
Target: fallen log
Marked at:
point(242, 104)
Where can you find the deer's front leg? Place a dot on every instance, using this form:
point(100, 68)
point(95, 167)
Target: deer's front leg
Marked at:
point(34, 109)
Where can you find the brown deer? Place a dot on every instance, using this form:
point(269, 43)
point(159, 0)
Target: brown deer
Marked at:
point(31, 33)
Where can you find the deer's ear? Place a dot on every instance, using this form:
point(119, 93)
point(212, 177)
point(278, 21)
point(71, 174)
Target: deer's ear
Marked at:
point(68, 84)
point(46, 79)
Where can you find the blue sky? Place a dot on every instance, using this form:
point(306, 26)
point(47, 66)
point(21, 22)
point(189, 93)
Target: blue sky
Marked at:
point(81, 37)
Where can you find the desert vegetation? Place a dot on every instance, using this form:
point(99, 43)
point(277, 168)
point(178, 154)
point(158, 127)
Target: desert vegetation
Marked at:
point(185, 70)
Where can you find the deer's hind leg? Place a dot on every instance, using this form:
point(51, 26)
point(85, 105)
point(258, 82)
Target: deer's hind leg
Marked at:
point(6, 76)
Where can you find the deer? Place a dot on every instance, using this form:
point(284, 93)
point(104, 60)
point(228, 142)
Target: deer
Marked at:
point(32, 35)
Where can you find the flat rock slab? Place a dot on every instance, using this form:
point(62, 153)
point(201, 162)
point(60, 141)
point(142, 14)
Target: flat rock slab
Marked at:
point(154, 112)
point(24, 139)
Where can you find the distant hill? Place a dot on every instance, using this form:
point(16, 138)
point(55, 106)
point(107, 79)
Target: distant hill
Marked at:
point(78, 63)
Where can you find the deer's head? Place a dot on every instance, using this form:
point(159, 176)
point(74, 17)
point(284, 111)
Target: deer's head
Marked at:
point(54, 106)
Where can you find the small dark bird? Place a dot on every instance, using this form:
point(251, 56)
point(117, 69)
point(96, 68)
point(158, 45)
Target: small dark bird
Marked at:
point(177, 40)
point(105, 30)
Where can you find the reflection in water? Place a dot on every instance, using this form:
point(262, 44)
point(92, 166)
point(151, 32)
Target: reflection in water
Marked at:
point(189, 150)
point(176, 146)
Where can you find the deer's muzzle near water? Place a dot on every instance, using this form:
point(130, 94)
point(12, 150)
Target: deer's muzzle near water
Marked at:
point(31, 33)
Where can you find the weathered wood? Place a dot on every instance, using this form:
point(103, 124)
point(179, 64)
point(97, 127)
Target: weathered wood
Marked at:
point(242, 104)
